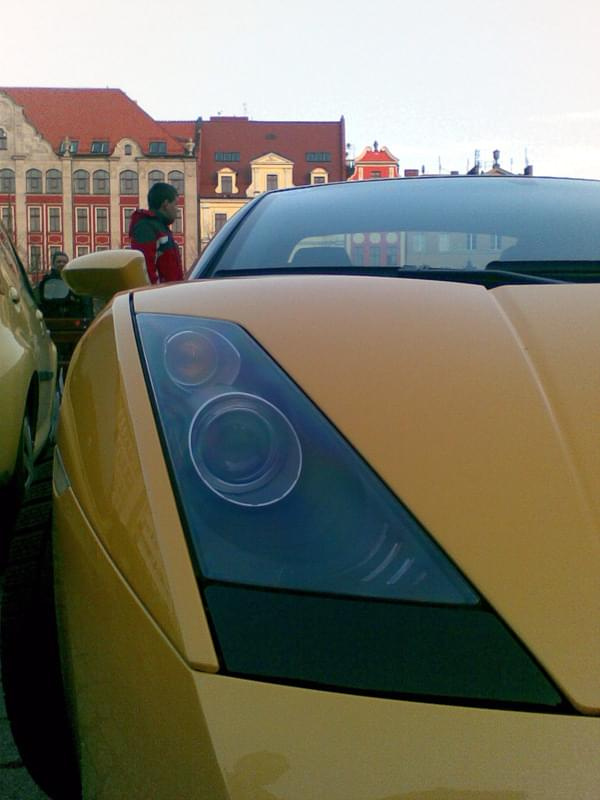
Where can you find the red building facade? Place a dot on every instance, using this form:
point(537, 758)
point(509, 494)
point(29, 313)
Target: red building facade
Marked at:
point(374, 162)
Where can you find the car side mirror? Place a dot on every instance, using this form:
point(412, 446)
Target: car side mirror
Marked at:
point(104, 273)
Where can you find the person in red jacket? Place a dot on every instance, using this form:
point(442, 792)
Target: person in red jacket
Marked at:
point(150, 232)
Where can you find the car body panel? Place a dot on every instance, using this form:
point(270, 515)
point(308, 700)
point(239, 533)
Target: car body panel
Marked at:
point(476, 407)
point(112, 456)
point(140, 729)
point(297, 743)
point(27, 359)
point(440, 349)
point(150, 726)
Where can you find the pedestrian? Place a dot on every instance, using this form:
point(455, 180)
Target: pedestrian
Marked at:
point(150, 232)
point(54, 296)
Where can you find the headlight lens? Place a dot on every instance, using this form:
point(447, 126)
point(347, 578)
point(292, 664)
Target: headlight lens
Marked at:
point(244, 449)
point(273, 495)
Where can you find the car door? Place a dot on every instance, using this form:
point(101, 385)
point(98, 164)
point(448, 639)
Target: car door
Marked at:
point(26, 348)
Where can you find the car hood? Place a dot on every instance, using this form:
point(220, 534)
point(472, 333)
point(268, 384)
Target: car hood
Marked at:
point(478, 408)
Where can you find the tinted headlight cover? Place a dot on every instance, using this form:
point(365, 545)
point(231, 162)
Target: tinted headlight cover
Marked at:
point(272, 493)
point(277, 504)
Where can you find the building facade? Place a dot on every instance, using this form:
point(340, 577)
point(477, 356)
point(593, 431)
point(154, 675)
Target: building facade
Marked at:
point(374, 162)
point(75, 163)
point(240, 158)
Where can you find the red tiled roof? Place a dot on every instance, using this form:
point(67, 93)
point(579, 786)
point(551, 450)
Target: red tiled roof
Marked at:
point(90, 115)
point(369, 156)
point(182, 130)
point(253, 138)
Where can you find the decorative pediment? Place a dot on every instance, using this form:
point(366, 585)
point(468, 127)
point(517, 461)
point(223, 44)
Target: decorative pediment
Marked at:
point(271, 160)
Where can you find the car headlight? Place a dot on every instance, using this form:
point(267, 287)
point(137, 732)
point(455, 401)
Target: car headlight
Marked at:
point(272, 493)
point(311, 569)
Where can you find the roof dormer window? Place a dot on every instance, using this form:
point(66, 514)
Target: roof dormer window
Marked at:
point(227, 155)
point(318, 155)
point(99, 147)
point(319, 175)
point(226, 181)
point(158, 148)
point(70, 145)
point(3, 139)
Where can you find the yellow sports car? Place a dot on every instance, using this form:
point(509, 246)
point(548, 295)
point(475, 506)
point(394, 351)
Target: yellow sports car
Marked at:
point(27, 380)
point(326, 515)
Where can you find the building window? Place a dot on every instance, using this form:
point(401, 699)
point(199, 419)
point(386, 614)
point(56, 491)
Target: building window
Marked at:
point(128, 182)
point(391, 257)
point(81, 181)
point(226, 181)
point(272, 182)
point(101, 182)
point(220, 220)
point(33, 181)
point(318, 175)
point(318, 179)
point(158, 148)
point(7, 181)
point(226, 184)
point(127, 212)
point(374, 255)
point(82, 222)
point(99, 148)
point(34, 219)
point(54, 219)
point(101, 220)
point(127, 150)
point(101, 247)
point(155, 176)
point(418, 242)
point(3, 139)
point(227, 155)
point(318, 156)
point(54, 248)
point(178, 223)
point(375, 173)
point(7, 217)
point(177, 180)
point(35, 258)
point(82, 250)
point(73, 145)
point(53, 181)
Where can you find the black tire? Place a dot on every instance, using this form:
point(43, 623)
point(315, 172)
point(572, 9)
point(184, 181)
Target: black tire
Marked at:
point(24, 467)
point(11, 496)
point(31, 673)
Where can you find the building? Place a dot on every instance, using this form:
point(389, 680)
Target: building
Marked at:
point(240, 158)
point(75, 163)
point(496, 169)
point(375, 162)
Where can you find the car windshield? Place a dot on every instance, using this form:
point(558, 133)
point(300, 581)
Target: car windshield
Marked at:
point(545, 226)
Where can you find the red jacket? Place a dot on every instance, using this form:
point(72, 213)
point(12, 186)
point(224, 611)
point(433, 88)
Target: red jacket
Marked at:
point(149, 232)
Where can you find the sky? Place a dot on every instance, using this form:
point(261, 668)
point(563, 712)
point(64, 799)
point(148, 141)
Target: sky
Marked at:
point(434, 81)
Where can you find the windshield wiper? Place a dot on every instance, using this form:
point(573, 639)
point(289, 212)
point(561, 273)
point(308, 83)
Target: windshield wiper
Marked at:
point(567, 271)
point(488, 278)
